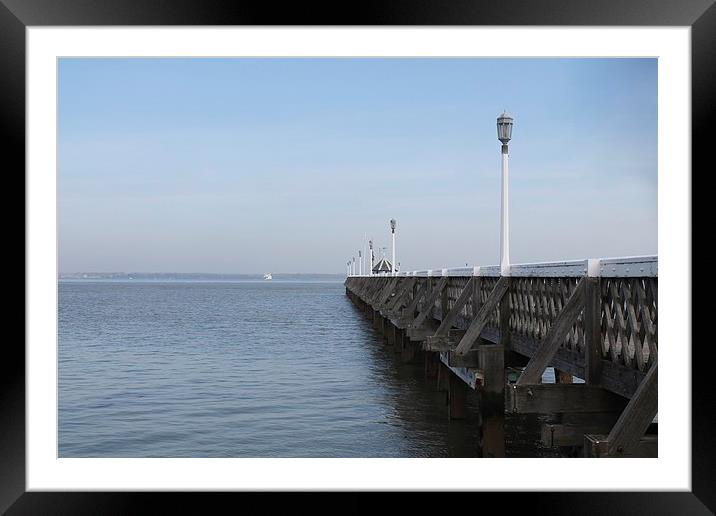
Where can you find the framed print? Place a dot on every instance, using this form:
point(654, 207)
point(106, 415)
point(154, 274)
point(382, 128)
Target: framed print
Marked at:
point(267, 251)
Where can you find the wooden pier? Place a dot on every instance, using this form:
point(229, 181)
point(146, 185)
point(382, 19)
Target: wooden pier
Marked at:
point(594, 321)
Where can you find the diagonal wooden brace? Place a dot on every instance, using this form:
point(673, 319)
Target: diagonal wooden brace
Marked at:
point(429, 302)
point(555, 336)
point(407, 287)
point(635, 419)
point(374, 286)
point(397, 290)
point(409, 311)
point(473, 332)
point(385, 293)
point(381, 283)
point(461, 301)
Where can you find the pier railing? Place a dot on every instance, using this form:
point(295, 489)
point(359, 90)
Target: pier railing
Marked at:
point(610, 339)
point(595, 320)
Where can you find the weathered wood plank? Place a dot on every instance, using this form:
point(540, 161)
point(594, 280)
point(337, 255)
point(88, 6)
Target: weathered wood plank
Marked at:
point(473, 332)
point(409, 311)
point(554, 337)
point(457, 398)
point(571, 432)
point(429, 302)
point(596, 446)
point(403, 290)
point(492, 399)
point(449, 319)
point(470, 360)
point(443, 342)
point(386, 292)
point(561, 398)
point(636, 418)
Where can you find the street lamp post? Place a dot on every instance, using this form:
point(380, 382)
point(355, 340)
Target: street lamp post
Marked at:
point(504, 134)
point(392, 230)
point(353, 266)
point(370, 268)
point(360, 263)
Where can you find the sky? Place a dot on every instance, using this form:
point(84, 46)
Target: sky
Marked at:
point(284, 164)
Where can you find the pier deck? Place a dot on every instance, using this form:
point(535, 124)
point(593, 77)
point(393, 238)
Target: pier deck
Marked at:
point(591, 320)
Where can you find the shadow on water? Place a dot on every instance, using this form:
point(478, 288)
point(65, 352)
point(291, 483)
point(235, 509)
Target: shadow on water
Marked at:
point(421, 410)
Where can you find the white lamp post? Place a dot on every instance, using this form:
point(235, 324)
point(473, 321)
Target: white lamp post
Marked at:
point(370, 268)
point(366, 270)
point(353, 266)
point(360, 263)
point(392, 230)
point(504, 134)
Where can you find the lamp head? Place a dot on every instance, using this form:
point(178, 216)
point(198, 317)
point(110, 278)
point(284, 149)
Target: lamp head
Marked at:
point(504, 128)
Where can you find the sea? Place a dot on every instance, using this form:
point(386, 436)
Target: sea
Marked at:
point(239, 368)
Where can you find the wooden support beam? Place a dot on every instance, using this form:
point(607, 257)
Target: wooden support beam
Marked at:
point(561, 398)
point(408, 351)
point(396, 339)
point(593, 331)
point(491, 358)
point(370, 291)
point(571, 431)
point(401, 292)
point(598, 445)
point(386, 292)
point(492, 399)
point(457, 397)
point(443, 377)
point(380, 291)
point(554, 337)
point(478, 323)
point(469, 360)
point(397, 287)
point(429, 302)
point(420, 334)
point(388, 332)
point(460, 302)
point(443, 342)
point(432, 363)
point(624, 438)
point(409, 311)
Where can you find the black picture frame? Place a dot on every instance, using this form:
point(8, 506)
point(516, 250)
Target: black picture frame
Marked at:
point(17, 15)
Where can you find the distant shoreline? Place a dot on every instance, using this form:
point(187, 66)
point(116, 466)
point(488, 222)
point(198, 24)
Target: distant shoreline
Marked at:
point(198, 276)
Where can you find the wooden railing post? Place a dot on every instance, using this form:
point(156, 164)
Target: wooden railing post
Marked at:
point(593, 331)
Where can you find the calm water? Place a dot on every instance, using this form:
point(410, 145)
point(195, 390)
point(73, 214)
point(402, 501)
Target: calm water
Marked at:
point(244, 369)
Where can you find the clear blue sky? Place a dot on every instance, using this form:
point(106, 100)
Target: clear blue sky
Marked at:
point(256, 165)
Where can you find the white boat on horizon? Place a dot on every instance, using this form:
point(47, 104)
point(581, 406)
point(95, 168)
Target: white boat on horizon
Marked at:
point(268, 276)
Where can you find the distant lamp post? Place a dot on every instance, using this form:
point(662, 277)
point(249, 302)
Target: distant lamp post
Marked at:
point(348, 267)
point(370, 269)
point(360, 263)
point(353, 266)
point(504, 134)
point(392, 230)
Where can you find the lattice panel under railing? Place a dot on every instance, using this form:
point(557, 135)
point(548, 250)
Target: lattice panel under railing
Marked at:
point(629, 321)
point(487, 284)
point(536, 302)
point(455, 288)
